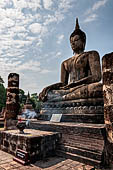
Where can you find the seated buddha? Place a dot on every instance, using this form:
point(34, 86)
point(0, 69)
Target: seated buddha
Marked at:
point(80, 74)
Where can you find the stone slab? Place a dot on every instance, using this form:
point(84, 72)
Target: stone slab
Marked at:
point(56, 118)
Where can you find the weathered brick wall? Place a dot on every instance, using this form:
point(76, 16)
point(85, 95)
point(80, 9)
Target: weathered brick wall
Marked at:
point(107, 67)
point(90, 137)
point(12, 102)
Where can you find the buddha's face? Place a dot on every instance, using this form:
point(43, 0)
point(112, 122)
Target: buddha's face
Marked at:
point(77, 44)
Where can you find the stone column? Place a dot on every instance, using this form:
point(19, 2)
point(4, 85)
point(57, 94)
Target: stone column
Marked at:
point(12, 101)
point(107, 67)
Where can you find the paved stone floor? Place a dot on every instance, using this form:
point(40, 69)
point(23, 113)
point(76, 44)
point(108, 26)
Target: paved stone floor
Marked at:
point(54, 163)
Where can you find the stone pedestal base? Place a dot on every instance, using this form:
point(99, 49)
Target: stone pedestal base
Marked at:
point(38, 144)
point(82, 111)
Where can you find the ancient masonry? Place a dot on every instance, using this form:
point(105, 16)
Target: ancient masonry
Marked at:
point(85, 131)
point(86, 118)
point(107, 64)
point(12, 102)
point(107, 67)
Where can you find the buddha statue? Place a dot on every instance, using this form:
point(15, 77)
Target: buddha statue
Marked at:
point(80, 74)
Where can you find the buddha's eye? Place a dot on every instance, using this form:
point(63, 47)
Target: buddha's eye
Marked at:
point(73, 43)
point(75, 38)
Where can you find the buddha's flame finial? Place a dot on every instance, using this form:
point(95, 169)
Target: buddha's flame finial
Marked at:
point(77, 25)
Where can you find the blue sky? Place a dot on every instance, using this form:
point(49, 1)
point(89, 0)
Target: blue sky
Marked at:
point(34, 36)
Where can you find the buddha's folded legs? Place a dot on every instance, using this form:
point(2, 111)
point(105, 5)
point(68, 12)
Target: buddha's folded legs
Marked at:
point(93, 90)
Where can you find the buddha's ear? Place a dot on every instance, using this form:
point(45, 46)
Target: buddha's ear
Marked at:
point(84, 45)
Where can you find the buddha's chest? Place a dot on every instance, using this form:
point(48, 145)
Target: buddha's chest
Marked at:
point(79, 68)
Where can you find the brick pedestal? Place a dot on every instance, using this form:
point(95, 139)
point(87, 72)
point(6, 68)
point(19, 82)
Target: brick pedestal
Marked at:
point(38, 144)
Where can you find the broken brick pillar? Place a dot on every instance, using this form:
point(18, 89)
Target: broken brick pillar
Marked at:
point(107, 67)
point(12, 101)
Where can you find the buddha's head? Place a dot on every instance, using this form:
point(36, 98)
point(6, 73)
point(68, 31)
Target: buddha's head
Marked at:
point(78, 39)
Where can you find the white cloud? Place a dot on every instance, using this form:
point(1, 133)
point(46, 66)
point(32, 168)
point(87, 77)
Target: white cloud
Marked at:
point(58, 15)
point(4, 3)
point(50, 19)
point(91, 13)
point(99, 4)
point(18, 29)
point(66, 5)
point(7, 22)
point(39, 42)
point(24, 25)
point(45, 71)
point(60, 38)
point(47, 4)
point(30, 65)
point(58, 54)
point(35, 4)
point(90, 18)
point(38, 28)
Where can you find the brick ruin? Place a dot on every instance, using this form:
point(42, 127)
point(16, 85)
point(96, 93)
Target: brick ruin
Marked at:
point(107, 67)
point(86, 124)
point(12, 101)
point(87, 134)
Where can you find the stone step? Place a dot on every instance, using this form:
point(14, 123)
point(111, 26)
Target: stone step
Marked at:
point(79, 135)
point(79, 158)
point(83, 118)
point(96, 131)
point(86, 146)
point(86, 137)
point(77, 118)
point(83, 152)
point(82, 142)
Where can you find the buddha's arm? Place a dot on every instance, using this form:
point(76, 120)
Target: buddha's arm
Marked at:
point(95, 76)
point(56, 86)
point(64, 73)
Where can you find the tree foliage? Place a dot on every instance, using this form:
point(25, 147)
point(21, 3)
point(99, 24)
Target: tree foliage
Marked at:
point(2, 96)
point(22, 96)
point(1, 80)
point(35, 101)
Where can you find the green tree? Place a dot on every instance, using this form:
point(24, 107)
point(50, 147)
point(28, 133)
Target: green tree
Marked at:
point(1, 80)
point(22, 98)
point(2, 94)
point(35, 101)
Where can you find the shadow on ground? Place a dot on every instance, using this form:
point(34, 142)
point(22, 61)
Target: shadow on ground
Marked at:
point(49, 162)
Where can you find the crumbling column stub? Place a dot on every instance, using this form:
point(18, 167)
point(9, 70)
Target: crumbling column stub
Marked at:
point(107, 67)
point(12, 101)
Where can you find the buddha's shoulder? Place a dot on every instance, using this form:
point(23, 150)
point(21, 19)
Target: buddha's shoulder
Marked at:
point(92, 52)
point(67, 61)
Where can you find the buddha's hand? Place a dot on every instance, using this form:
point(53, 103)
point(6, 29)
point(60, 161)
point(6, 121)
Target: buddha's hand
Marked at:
point(43, 95)
point(71, 85)
point(65, 87)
